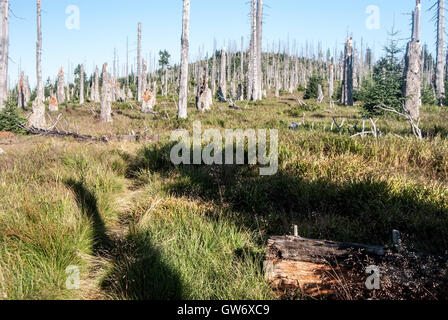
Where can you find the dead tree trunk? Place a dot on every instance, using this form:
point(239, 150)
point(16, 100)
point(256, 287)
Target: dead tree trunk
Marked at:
point(331, 81)
point(96, 92)
point(4, 49)
point(37, 118)
point(183, 89)
point(412, 70)
point(214, 69)
point(60, 90)
point(253, 55)
point(139, 59)
point(347, 82)
point(222, 91)
point(21, 93)
point(259, 32)
point(440, 68)
point(106, 97)
point(81, 85)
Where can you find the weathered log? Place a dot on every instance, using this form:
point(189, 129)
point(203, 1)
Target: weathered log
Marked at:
point(143, 137)
point(324, 268)
point(37, 131)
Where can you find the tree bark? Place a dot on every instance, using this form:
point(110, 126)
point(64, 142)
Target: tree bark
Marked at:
point(440, 68)
point(60, 92)
point(37, 118)
point(4, 50)
point(222, 77)
point(81, 85)
point(259, 31)
point(139, 65)
point(412, 70)
point(331, 81)
point(106, 98)
point(183, 89)
point(254, 52)
point(347, 81)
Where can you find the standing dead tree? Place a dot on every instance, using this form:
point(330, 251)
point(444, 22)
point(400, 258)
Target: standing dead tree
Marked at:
point(330, 81)
point(106, 97)
point(139, 59)
point(259, 46)
point(347, 81)
point(4, 50)
point(37, 118)
point(222, 90)
point(81, 85)
point(412, 70)
point(96, 83)
point(183, 89)
point(60, 89)
point(440, 67)
point(204, 98)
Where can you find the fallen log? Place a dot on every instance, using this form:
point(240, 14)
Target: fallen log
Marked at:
point(83, 137)
point(55, 133)
point(320, 268)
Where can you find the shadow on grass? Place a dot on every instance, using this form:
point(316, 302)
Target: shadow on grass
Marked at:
point(88, 203)
point(137, 271)
point(363, 211)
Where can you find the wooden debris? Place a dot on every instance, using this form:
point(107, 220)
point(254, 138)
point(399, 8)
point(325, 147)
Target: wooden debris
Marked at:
point(320, 268)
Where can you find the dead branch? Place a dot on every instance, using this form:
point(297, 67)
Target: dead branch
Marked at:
point(415, 127)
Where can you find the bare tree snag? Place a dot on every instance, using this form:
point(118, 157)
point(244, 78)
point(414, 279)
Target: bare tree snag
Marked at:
point(440, 67)
point(139, 59)
point(4, 50)
point(183, 89)
point(37, 118)
point(222, 90)
point(331, 81)
point(60, 89)
point(347, 81)
point(53, 104)
point(106, 97)
point(412, 70)
point(214, 69)
point(259, 46)
point(320, 94)
point(204, 99)
point(253, 64)
point(21, 92)
point(148, 101)
point(81, 85)
point(96, 91)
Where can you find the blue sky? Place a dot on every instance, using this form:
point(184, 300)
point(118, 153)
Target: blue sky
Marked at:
point(105, 25)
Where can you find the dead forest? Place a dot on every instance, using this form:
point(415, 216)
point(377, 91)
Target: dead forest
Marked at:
point(92, 207)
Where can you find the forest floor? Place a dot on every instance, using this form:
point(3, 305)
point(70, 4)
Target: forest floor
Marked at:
point(138, 227)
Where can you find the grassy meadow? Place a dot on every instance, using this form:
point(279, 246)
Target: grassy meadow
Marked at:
point(139, 227)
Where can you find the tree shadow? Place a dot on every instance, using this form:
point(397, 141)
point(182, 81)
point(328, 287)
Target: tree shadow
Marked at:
point(137, 271)
point(88, 204)
point(363, 210)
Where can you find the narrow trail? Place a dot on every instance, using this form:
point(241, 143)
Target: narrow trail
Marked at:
point(116, 238)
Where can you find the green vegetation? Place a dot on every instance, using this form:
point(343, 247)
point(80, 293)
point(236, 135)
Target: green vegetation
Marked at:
point(10, 119)
point(140, 228)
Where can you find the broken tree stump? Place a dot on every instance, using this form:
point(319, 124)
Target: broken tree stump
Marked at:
point(328, 269)
point(312, 266)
